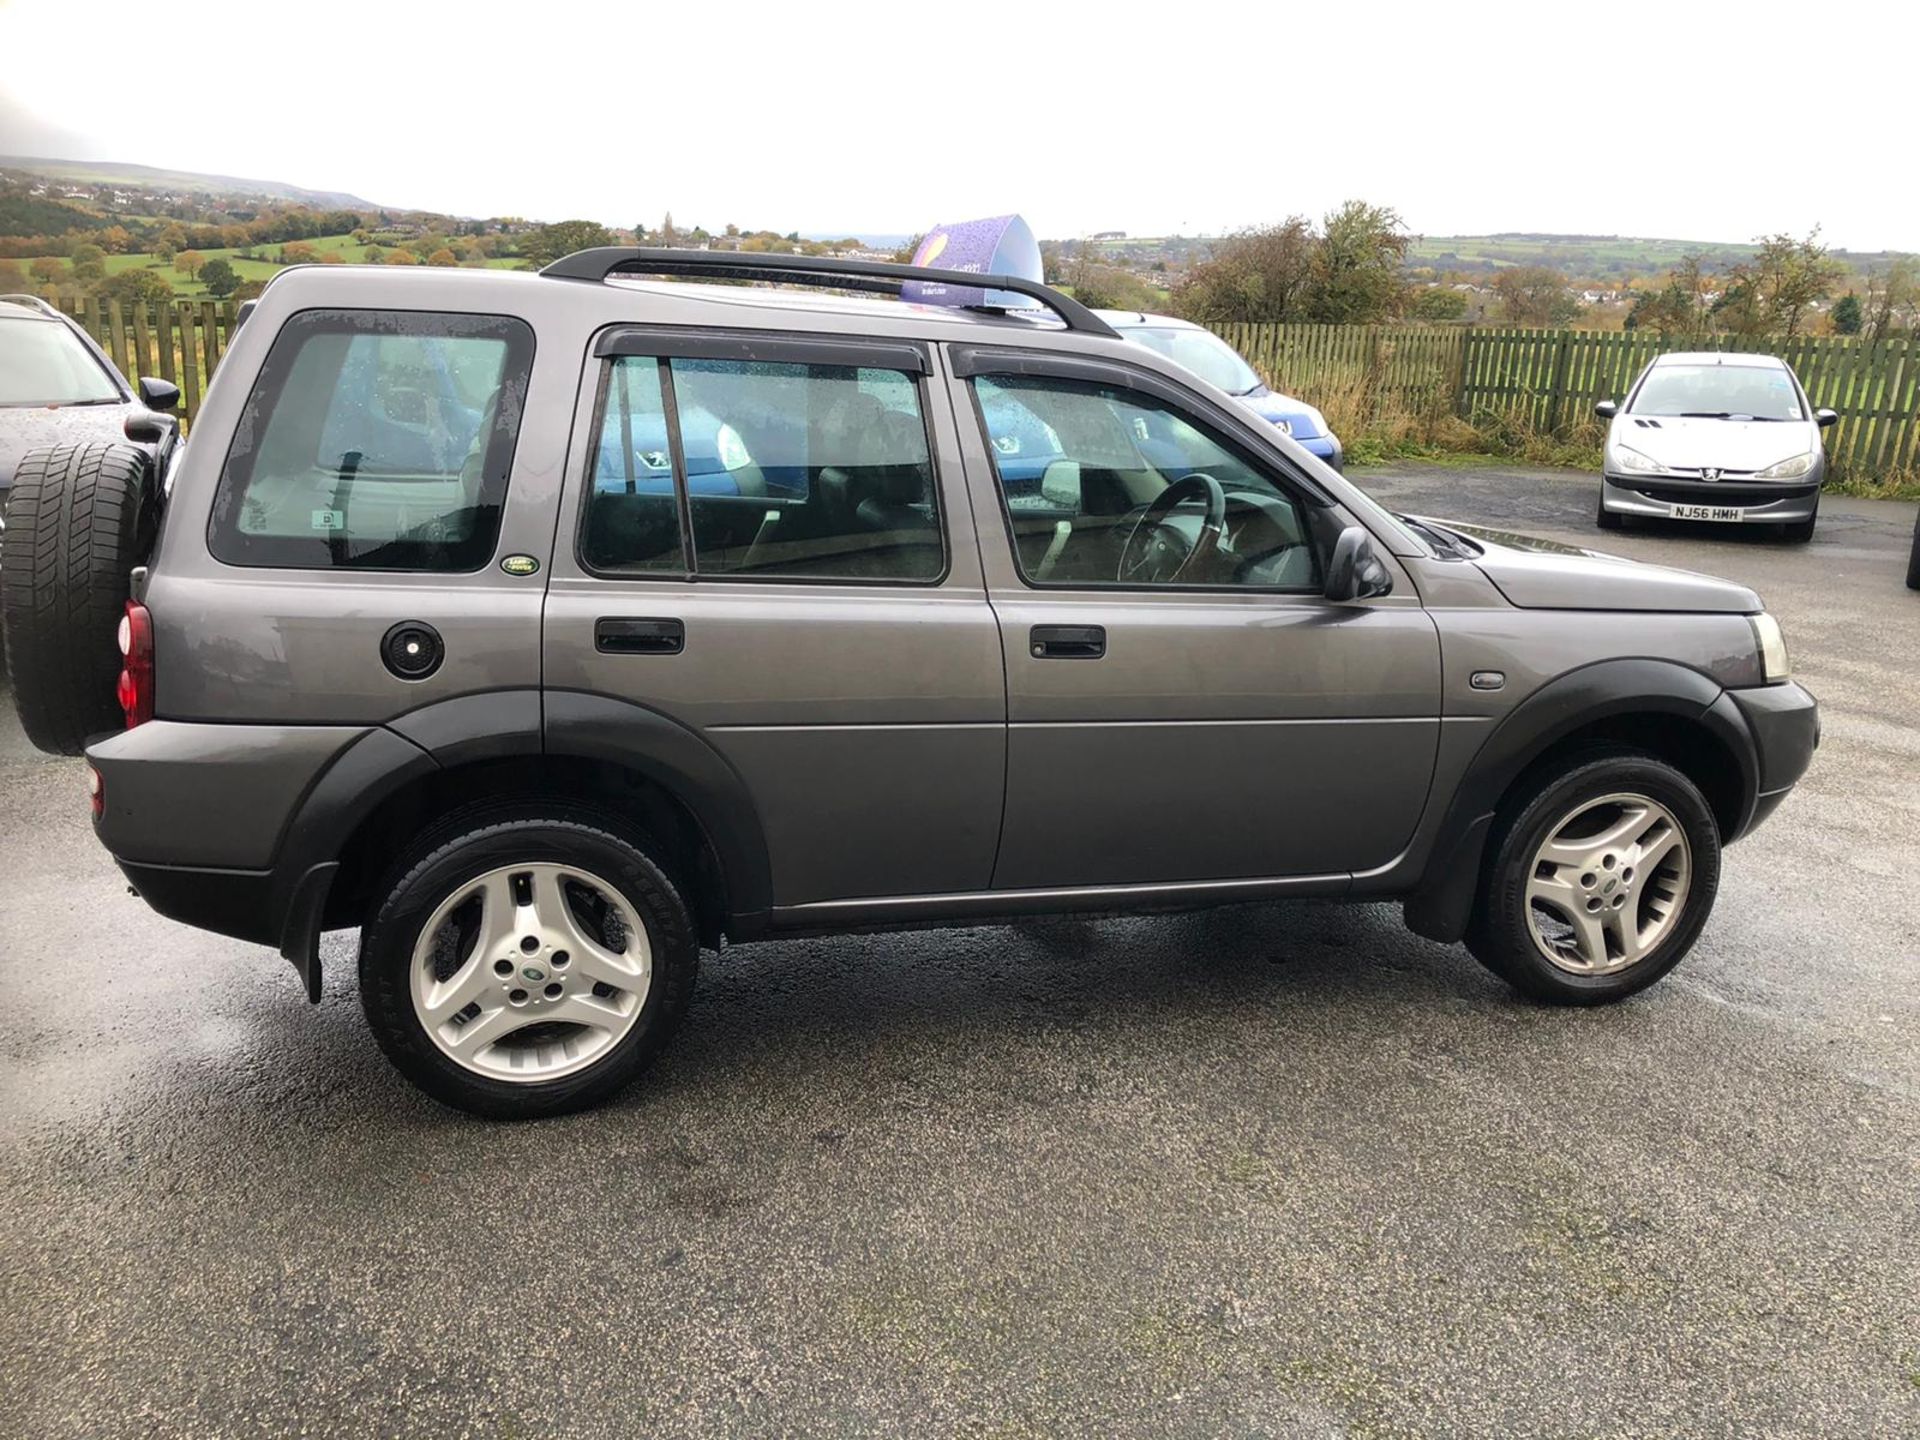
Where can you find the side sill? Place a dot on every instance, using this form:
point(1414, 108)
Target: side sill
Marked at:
point(981, 907)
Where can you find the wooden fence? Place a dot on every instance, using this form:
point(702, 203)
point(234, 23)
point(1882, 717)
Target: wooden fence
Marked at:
point(1548, 381)
point(178, 340)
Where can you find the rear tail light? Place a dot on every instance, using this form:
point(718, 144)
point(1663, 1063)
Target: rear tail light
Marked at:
point(136, 664)
point(96, 792)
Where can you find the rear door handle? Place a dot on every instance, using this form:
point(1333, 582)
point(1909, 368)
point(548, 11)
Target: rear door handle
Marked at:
point(1067, 642)
point(639, 635)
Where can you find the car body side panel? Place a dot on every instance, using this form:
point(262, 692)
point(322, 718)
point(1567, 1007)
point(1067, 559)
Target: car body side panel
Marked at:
point(218, 795)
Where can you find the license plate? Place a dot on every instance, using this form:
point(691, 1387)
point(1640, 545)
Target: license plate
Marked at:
point(1705, 512)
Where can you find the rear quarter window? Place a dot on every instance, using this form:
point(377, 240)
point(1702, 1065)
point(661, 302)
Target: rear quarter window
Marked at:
point(375, 440)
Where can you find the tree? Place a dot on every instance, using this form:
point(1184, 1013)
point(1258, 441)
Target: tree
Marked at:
point(1262, 274)
point(443, 256)
point(547, 243)
point(48, 270)
point(189, 263)
point(1436, 304)
point(12, 277)
point(298, 252)
point(89, 262)
point(333, 257)
point(668, 235)
point(401, 257)
point(1893, 298)
point(1100, 286)
point(1679, 307)
point(1847, 315)
point(1534, 295)
point(1357, 267)
point(116, 240)
point(138, 284)
point(1772, 293)
point(219, 278)
point(163, 252)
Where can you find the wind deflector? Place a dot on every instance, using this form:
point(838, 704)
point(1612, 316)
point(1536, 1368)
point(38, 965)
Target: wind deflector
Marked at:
point(826, 272)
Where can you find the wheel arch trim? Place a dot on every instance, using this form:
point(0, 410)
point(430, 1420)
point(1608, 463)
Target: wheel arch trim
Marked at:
point(1440, 905)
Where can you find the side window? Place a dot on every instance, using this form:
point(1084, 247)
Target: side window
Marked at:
point(375, 440)
point(633, 516)
point(1105, 485)
point(789, 470)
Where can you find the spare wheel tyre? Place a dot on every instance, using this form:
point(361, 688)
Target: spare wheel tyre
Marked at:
point(79, 518)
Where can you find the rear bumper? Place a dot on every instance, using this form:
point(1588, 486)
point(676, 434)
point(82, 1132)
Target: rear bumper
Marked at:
point(1759, 500)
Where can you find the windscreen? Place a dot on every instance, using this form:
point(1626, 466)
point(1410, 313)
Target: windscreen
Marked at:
point(1206, 355)
point(42, 363)
point(1720, 392)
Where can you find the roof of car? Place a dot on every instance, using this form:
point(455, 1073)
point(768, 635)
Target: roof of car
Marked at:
point(1121, 319)
point(770, 305)
point(1746, 358)
point(27, 307)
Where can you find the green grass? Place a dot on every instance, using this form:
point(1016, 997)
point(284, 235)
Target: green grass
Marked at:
point(341, 245)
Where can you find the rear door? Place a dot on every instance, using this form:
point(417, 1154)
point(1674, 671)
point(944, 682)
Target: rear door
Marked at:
point(1221, 721)
point(766, 539)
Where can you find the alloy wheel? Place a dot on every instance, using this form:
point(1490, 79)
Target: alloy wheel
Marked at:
point(530, 972)
point(1608, 884)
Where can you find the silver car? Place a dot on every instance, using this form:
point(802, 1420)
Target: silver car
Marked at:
point(1728, 438)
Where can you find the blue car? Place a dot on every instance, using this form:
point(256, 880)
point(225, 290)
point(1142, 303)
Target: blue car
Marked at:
point(1219, 364)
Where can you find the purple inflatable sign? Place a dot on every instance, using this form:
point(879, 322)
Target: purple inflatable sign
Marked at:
point(999, 245)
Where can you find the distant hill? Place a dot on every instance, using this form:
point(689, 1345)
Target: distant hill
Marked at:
point(1587, 256)
point(107, 172)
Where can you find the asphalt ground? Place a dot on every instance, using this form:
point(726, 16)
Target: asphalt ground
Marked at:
point(1284, 1170)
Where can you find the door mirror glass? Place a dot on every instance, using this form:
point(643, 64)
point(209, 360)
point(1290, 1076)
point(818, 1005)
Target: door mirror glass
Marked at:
point(1606, 409)
point(1355, 571)
point(1824, 417)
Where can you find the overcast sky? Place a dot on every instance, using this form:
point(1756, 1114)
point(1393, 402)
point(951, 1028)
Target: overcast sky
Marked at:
point(1190, 117)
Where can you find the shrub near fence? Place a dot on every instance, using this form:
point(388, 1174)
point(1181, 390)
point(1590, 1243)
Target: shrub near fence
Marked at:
point(1546, 382)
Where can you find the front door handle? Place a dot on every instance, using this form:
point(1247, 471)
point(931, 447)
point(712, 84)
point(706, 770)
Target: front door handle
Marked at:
point(639, 635)
point(1067, 642)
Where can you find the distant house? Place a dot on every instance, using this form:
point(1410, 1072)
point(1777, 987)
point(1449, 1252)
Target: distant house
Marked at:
point(1108, 235)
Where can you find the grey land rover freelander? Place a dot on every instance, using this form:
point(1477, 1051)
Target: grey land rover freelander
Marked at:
point(549, 628)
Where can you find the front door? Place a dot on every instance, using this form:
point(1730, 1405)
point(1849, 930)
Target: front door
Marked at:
point(1183, 703)
point(766, 540)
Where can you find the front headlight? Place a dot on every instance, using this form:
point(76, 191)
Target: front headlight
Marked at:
point(1635, 463)
point(1773, 648)
point(731, 449)
point(1791, 468)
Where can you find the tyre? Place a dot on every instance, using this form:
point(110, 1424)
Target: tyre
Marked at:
point(79, 518)
point(1602, 872)
point(1913, 560)
point(1799, 532)
point(526, 964)
point(1605, 518)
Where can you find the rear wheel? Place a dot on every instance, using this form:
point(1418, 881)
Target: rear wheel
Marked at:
point(527, 964)
point(79, 518)
point(1603, 872)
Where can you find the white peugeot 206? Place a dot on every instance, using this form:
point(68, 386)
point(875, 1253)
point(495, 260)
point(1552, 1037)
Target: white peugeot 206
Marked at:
point(1715, 437)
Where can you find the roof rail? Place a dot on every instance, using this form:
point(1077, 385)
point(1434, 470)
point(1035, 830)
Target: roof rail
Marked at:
point(826, 271)
point(33, 302)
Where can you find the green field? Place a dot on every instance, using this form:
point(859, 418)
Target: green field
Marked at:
point(341, 245)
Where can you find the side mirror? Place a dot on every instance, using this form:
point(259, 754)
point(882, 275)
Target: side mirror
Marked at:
point(1606, 409)
point(158, 394)
point(1824, 418)
point(1355, 572)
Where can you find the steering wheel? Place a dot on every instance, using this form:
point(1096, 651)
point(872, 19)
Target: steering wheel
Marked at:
point(1156, 553)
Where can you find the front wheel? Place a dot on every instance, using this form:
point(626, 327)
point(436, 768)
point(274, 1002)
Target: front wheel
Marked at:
point(1799, 532)
point(1913, 560)
point(1602, 874)
point(1605, 518)
point(526, 965)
